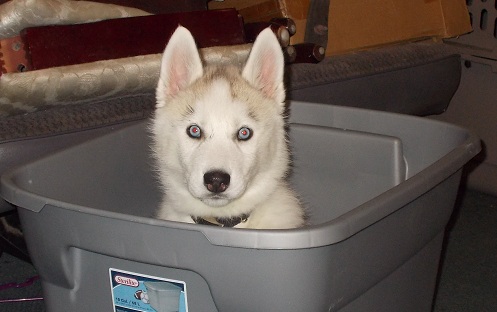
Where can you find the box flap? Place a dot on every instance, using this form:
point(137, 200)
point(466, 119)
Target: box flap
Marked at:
point(456, 18)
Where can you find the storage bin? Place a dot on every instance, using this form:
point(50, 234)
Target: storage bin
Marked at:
point(380, 189)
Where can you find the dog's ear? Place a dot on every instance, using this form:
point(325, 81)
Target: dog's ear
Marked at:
point(180, 66)
point(265, 66)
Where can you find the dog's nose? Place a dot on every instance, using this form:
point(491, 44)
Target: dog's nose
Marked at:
point(216, 181)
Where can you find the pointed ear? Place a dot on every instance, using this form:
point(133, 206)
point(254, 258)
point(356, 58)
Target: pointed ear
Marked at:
point(265, 66)
point(180, 66)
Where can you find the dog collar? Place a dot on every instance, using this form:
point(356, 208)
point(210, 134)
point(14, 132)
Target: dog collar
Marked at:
point(222, 222)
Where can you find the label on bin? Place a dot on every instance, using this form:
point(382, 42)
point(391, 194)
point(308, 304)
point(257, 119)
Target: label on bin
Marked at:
point(135, 292)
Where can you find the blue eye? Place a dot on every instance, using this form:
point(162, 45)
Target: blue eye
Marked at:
point(244, 134)
point(194, 132)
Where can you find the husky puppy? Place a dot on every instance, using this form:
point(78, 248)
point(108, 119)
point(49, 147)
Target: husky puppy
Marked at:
point(219, 138)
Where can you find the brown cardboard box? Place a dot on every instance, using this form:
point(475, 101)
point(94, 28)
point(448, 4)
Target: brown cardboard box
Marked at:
point(362, 24)
point(358, 24)
point(264, 10)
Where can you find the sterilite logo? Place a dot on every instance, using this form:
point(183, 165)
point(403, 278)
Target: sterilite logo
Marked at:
point(128, 281)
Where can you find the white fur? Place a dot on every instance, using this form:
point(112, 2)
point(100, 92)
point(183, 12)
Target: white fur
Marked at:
point(221, 101)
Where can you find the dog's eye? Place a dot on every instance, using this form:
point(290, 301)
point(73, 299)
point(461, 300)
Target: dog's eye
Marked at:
point(194, 132)
point(244, 134)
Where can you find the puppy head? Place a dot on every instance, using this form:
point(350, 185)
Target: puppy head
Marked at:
point(219, 130)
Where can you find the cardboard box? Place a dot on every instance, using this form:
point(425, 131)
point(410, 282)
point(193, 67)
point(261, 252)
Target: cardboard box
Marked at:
point(264, 10)
point(357, 24)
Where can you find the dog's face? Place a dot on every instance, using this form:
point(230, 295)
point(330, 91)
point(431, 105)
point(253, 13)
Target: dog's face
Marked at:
point(217, 131)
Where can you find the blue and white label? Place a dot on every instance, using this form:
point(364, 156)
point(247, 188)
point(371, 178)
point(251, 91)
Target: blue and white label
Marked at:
point(134, 292)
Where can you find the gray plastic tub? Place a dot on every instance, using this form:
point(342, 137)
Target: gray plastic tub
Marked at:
point(380, 189)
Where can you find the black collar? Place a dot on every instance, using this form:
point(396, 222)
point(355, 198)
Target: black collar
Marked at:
point(222, 222)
